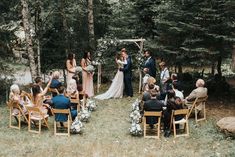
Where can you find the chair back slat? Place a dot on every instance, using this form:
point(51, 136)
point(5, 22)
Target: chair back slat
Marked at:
point(181, 111)
point(203, 99)
point(75, 101)
point(33, 109)
point(153, 113)
point(63, 111)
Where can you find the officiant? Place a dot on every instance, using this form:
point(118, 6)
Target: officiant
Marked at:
point(150, 63)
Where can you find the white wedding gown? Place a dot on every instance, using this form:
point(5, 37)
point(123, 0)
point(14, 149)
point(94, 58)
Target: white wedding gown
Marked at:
point(117, 86)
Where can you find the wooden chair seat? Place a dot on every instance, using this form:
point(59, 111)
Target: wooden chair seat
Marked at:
point(181, 121)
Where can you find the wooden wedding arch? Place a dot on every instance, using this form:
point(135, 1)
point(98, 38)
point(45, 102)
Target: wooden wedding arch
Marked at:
point(140, 44)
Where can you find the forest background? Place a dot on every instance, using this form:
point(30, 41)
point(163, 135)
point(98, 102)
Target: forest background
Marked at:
point(185, 33)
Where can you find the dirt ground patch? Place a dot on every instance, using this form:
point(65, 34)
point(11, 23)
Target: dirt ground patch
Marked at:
point(107, 135)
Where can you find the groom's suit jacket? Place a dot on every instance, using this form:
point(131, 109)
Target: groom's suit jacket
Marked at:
point(127, 70)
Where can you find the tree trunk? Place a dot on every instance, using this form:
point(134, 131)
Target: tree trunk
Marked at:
point(28, 38)
point(38, 58)
point(233, 59)
point(38, 35)
point(219, 66)
point(213, 68)
point(180, 70)
point(91, 25)
point(65, 26)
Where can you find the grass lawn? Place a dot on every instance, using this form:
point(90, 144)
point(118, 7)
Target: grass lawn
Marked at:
point(107, 135)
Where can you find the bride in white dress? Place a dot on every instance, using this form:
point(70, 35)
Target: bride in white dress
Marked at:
point(117, 86)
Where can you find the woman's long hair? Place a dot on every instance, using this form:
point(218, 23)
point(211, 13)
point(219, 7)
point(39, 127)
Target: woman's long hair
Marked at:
point(70, 58)
point(85, 55)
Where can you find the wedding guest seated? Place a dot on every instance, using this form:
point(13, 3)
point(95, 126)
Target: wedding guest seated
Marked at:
point(38, 81)
point(145, 78)
point(72, 91)
point(199, 92)
point(38, 97)
point(55, 83)
point(174, 79)
point(153, 105)
point(176, 90)
point(79, 86)
point(62, 102)
point(173, 103)
point(150, 85)
point(15, 96)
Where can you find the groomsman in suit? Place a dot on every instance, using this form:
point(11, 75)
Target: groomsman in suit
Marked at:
point(127, 71)
point(150, 63)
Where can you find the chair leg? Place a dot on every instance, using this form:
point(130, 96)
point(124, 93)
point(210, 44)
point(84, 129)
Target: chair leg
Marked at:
point(55, 127)
point(40, 126)
point(68, 127)
point(195, 114)
point(174, 128)
point(144, 127)
point(19, 121)
point(159, 127)
point(29, 123)
point(187, 128)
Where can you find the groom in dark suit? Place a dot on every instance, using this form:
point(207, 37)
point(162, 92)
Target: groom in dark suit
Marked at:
point(127, 74)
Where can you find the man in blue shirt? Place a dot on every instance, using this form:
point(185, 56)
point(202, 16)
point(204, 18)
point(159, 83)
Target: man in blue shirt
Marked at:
point(62, 102)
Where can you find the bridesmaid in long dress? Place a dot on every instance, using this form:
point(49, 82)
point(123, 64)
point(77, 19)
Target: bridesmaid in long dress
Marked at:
point(87, 77)
point(70, 65)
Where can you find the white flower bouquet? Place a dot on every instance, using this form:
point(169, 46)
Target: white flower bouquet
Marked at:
point(135, 105)
point(91, 105)
point(85, 115)
point(90, 68)
point(76, 126)
point(78, 69)
point(135, 130)
point(135, 116)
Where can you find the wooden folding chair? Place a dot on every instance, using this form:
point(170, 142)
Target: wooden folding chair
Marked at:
point(69, 121)
point(152, 114)
point(15, 105)
point(198, 103)
point(35, 114)
point(76, 101)
point(184, 121)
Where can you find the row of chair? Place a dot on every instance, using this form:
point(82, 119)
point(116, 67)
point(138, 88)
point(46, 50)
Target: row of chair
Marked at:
point(184, 112)
point(35, 115)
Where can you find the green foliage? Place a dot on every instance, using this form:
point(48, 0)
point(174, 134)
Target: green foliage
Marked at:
point(6, 79)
